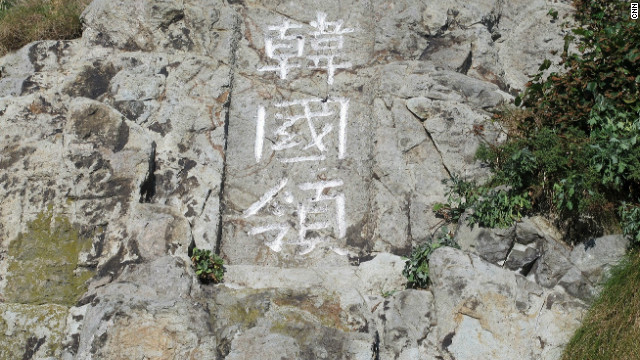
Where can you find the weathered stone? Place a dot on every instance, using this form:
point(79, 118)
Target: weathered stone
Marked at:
point(96, 123)
point(493, 245)
point(255, 343)
point(400, 31)
point(31, 331)
point(146, 312)
point(292, 326)
point(481, 39)
point(43, 263)
point(341, 280)
point(421, 107)
point(473, 298)
point(129, 146)
point(527, 232)
point(406, 323)
point(576, 284)
point(521, 258)
point(553, 262)
point(401, 180)
point(452, 123)
point(595, 257)
point(592, 260)
point(381, 273)
point(538, 255)
point(296, 307)
point(257, 308)
point(165, 26)
point(159, 231)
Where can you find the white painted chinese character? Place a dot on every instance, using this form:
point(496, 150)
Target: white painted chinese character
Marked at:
point(318, 212)
point(283, 47)
point(327, 42)
point(301, 126)
point(282, 227)
point(316, 205)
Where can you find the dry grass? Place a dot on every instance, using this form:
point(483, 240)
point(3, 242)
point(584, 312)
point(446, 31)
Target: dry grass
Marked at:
point(611, 329)
point(24, 21)
point(516, 122)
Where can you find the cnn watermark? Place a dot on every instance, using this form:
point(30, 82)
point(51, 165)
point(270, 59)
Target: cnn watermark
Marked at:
point(634, 11)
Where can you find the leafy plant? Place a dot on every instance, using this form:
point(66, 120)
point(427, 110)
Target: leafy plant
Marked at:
point(386, 294)
point(490, 207)
point(462, 194)
point(573, 150)
point(446, 238)
point(209, 266)
point(5, 4)
point(416, 268)
point(499, 208)
point(630, 221)
point(607, 65)
point(616, 151)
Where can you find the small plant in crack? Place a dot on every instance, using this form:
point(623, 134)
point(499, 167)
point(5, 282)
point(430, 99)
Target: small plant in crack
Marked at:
point(209, 266)
point(388, 294)
point(416, 268)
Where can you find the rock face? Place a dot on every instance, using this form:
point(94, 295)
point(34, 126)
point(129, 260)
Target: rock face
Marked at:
point(533, 249)
point(306, 143)
point(483, 297)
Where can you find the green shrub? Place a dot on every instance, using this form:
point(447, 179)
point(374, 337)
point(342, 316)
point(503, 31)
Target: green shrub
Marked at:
point(416, 268)
point(608, 65)
point(573, 154)
point(209, 266)
point(499, 208)
point(630, 221)
point(490, 207)
point(4, 5)
point(24, 21)
point(462, 195)
point(616, 152)
point(573, 151)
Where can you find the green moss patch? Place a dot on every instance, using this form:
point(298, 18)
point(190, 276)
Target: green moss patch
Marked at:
point(326, 309)
point(43, 263)
point(572, 151)
point(313, 338)
point(295, 326)
point(247, 316)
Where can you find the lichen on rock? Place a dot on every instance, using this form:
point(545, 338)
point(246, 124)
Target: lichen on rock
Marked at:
point(44, 262)
point(31, 331)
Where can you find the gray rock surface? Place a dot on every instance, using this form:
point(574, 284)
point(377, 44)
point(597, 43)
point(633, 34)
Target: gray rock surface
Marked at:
point(592, 260)
point(147, 312)
point(492, 245)
point(487, 312)
point(407, 323)
point(305, 142)
point(533, 248)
